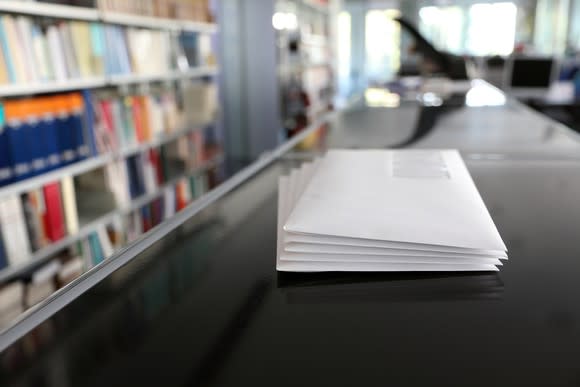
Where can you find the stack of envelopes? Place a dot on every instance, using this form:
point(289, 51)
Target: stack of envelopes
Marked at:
point(385, 210)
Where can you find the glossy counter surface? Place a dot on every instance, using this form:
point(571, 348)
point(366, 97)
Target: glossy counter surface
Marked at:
point(205, 306)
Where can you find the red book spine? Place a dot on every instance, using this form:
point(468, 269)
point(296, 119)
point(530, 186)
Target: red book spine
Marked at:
point(156, 162)
point(138, 120)
point(108, 121)
point(53, 217)
point(181, 202)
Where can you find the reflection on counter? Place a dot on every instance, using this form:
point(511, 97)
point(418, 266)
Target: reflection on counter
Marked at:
point(64, 351)
point(358, 288)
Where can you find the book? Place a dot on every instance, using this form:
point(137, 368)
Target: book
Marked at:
point(33, 205)
point(80, 143)
point(6, 54)
point(5, 151)
point(49, 132)
point(54, 222)
point(14, 48)
point(13, 228)
point(81, 34)
point(56, 52)
point(32, 127)
point(95, 249)
point(15, 115)
point(105, 243)
point(24, 32)
point(70, 205)
point(98, 49)
point(65, 122)
point(70, 60)
point(41, 56)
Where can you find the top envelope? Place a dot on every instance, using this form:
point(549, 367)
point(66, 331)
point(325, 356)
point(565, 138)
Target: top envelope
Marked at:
point(409, 196)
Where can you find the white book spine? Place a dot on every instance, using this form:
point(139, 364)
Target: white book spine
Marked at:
point(14, 233)
point(70, 205)
point(24, 27)
point(105, 242)
point(56, 54)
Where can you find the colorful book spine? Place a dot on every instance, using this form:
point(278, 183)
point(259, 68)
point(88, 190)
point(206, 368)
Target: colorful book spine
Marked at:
point(14, 235)
point(53, 220)
point(5, 152)
point(19, 144)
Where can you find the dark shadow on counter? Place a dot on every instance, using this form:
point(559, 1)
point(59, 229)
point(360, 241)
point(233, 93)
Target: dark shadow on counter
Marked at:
point(319, 288)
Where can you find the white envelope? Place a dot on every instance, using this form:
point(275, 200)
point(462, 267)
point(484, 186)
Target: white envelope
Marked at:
point(290, 191)
point(424, 197)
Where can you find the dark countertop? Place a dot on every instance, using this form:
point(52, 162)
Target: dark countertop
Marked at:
point(205, 306)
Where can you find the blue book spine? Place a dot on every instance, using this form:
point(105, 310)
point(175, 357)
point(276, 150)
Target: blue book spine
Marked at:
point(78, 130)
point(70, 139)
point(65, 147)
point(5, 154)
point(51, 142)
point(131, 172)
point(89, 124)
point(21, 160)
point(124, 51)
point(96, 251)
point(33, 128)
point(112, 53)
point(98, 42)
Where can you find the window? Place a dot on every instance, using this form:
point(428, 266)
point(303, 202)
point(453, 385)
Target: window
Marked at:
point(492, 29)
point(382, 44)
point(443, 26)
point(479, 29)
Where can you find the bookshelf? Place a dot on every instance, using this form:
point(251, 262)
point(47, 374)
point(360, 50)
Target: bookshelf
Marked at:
point(16, 90)
point(93, 163)
point(41, 256)
point(305, 62)
point(166, 103)
point(34, 8)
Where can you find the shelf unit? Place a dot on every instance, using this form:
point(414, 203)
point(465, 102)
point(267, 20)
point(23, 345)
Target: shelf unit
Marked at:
point(34, 8)
point(93, 163)
point(41, 256)
point(15, 90)
point(59, 11)
point(67, 12)
point(304, 55)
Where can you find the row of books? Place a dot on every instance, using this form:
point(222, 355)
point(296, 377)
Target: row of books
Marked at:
point(40, 50)
point(41, 134)
point(124, 121)
point(40, 217)
point(194, 10)
point(190, 10)
point(97, 247)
